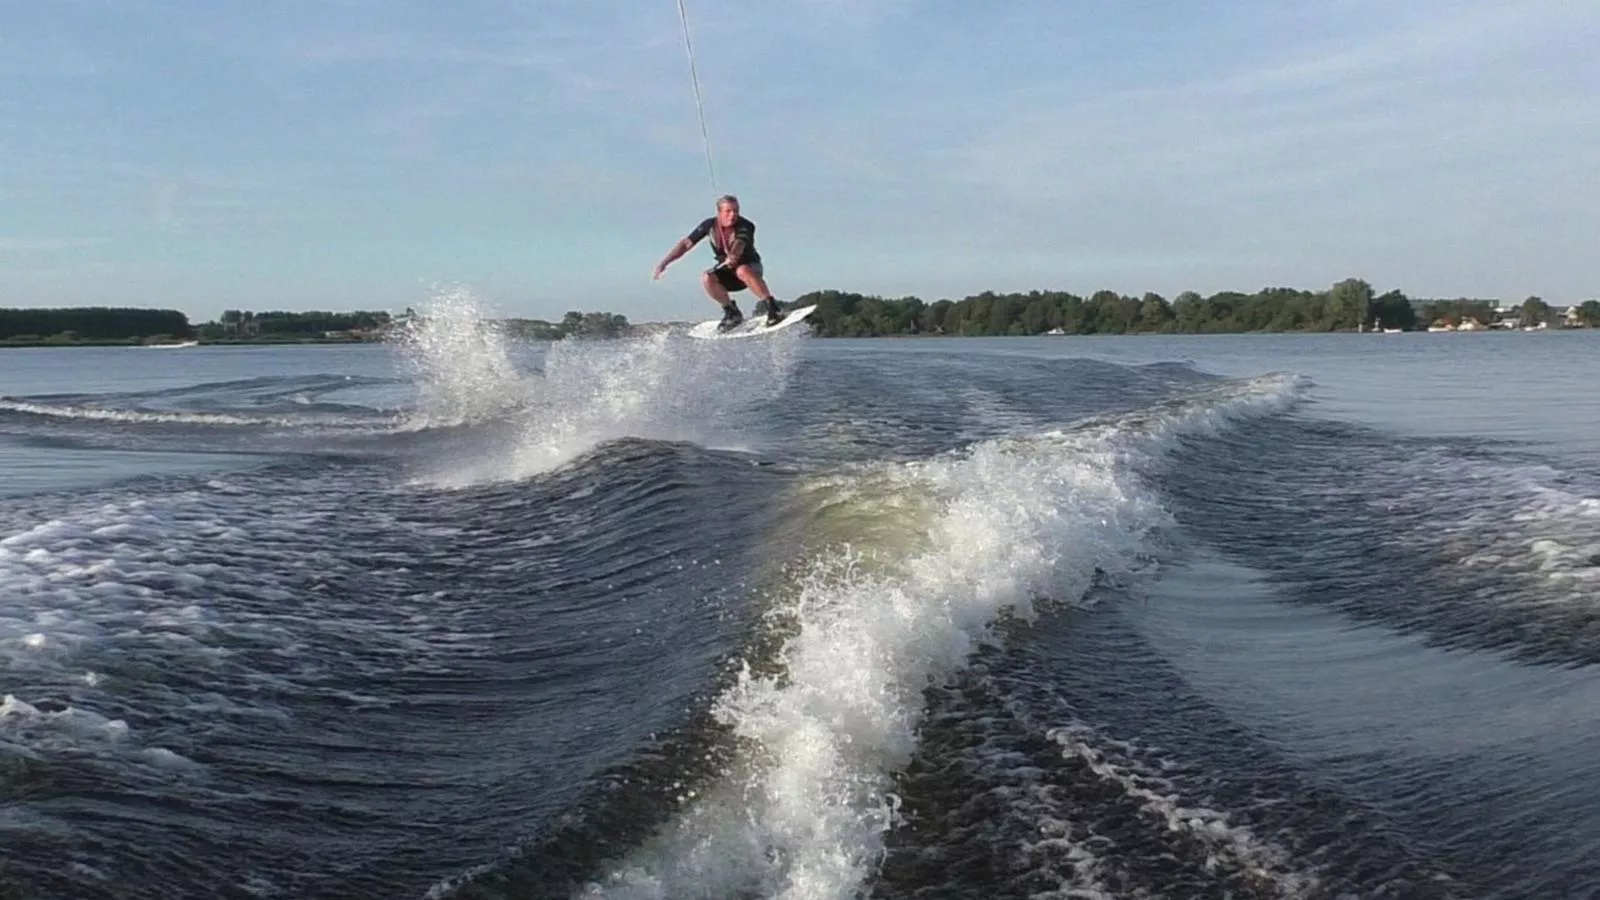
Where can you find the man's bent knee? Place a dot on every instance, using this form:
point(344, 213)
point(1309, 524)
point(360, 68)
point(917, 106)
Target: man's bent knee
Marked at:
point(750, 275)
point(714, 287)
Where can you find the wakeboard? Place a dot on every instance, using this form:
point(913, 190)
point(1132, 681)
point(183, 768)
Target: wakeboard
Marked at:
point(753, 326)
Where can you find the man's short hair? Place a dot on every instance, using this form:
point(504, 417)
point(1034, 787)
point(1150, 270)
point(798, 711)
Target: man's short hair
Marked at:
point(727, 200)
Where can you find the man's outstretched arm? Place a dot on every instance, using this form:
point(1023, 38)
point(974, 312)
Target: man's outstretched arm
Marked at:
point(684, 245)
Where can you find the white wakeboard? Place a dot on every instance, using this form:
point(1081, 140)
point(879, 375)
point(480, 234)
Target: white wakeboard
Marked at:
point(753, 325)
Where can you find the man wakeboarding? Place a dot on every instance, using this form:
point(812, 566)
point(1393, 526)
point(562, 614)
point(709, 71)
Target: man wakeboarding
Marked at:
point(733, 243)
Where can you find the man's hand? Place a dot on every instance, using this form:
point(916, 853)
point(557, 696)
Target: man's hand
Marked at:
point(660, 268)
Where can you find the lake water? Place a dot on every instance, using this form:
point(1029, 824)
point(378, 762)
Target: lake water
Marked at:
point(1220, 616)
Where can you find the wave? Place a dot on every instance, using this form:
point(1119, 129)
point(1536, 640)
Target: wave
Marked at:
point(462, 364)
point(246, 623)
point(663, 387)
point(457, 370)
point(1002, 529)
point(1466, 543)
point(142, 417)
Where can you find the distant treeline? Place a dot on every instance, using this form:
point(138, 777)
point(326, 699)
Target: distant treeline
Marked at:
point(107, 325)
point(92, 323)
point(310, 323)
point(1345, 306)
point(362, 323)
point(89, 324)
point(1350, 304)
point(574, 324)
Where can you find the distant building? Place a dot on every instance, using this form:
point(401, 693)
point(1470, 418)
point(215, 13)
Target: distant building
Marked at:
point(240, 322)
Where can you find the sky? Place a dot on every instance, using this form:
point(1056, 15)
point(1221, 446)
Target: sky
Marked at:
point(544, 154)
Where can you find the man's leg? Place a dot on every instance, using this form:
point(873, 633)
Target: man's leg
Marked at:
point(714, 288)
point(752, 277)
point(711, 281)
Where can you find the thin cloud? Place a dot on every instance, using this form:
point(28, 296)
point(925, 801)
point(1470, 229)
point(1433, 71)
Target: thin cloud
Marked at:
point(1235, 137)
point(883, 145)
point(21, 246)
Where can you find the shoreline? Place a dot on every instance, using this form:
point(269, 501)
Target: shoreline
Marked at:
point(302, 342)
point(135, 344)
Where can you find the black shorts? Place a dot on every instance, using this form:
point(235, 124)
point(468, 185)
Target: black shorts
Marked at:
point(730, 280)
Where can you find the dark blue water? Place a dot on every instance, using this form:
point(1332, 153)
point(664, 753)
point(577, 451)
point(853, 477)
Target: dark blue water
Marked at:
point(1297, 616)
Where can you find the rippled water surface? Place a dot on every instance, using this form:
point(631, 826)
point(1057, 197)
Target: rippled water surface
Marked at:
point(1231, 616)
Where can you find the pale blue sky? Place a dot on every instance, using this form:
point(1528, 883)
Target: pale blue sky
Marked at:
point(345, 154)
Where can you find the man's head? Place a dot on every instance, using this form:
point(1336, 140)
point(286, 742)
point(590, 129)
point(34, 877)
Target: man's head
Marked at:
point(727, 210)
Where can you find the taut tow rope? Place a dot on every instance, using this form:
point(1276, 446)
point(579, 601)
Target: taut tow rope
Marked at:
point(705, 137)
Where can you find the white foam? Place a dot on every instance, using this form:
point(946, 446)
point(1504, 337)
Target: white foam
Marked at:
point(70, 722)
point(1529, 523)
point(1227, 843)
point(802, 814)
point(461, 362)
point(127, 570)
point(32, 732)
point(97, 573)
point(662, 386)
point(143, 417)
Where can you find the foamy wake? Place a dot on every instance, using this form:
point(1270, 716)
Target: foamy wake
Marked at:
point(144, 417)
point(96, 596)
point(30, 732)
point(461, 362)
point(663, 386)
point(1528, 522)
point(1227, 844)
point(96, 577)
point(802, 814)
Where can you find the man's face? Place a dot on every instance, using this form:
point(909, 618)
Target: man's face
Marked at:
point(726, 213)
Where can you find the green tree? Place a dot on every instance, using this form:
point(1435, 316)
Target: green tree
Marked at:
point(933, 316)
point(602, 325)
point(977, 319)
point(1154, 313)
point(1072, 314)
point(94, 323)
point(1002, 313)
point(1188, 311)
point(1534, 312)
point(1036, 316)
point(1393, 310)
point(1348, 303)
